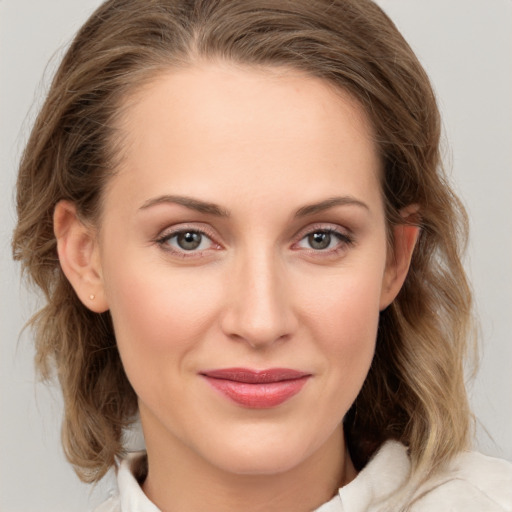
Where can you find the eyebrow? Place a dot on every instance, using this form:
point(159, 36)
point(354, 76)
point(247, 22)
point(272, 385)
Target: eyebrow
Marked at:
point(187, 202)
point(311, 209)
point(213, 209)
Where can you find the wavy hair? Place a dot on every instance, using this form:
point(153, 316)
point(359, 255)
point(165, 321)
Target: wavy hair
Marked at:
point(415, 390)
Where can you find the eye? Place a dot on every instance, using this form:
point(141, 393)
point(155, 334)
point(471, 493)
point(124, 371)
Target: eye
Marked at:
point(324, 240)
point(186, 241)
point(320, 240)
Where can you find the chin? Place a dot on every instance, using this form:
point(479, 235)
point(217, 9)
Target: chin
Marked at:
point(261, 462)
point(264, 454)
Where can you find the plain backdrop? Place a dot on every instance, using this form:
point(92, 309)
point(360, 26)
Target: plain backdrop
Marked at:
point(466, 47)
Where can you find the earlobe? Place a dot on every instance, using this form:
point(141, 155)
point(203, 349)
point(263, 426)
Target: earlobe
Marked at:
point(78, 253)
point(405, 237)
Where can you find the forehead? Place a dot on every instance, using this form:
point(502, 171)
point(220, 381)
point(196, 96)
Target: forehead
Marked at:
point(215, 90)
point(217, 124)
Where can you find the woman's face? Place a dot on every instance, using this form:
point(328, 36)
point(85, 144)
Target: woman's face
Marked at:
point(242, 254)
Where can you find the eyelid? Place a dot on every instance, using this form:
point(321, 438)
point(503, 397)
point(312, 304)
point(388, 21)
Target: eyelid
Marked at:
point(346, 238)
point(327, 226)
point(176, 229)
point(345, 235)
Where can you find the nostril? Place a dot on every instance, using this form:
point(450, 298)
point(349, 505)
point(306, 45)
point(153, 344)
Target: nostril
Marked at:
point(257, 331)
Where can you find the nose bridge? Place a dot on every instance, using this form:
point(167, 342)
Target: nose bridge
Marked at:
point(260, 306)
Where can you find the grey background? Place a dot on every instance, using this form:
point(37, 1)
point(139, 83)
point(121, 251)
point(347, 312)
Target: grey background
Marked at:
point(465, 45)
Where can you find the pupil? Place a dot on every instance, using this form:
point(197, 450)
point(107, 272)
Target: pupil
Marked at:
point(189, 240)
point(319, 240)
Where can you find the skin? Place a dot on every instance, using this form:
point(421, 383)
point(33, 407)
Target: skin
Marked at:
point(270, 149)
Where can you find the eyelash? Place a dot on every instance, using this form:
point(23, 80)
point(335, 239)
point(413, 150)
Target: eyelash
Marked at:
point(163, 241)
point(344, 240)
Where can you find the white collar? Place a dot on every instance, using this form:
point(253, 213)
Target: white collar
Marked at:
point(386, 472)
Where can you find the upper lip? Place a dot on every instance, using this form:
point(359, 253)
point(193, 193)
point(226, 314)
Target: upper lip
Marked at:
point(251, 376)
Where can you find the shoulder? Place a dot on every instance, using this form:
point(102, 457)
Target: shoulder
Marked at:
point(130, 497)
point(111, 505)
point(471, 482)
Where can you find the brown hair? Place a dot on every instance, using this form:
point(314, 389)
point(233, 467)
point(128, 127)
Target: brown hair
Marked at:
point(415, 390)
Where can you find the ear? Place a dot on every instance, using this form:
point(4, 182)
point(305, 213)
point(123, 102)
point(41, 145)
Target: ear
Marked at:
point(78, 252)
point(405, 236)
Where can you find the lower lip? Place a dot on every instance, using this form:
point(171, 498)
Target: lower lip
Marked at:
point(258, 396)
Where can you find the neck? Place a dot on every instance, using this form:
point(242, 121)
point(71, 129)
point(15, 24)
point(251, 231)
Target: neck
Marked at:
point(180, 479)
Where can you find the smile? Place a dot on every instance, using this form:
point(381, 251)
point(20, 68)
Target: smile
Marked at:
point(258, 389)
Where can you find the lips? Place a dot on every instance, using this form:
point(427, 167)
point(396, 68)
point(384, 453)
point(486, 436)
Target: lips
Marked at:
point(258, 389)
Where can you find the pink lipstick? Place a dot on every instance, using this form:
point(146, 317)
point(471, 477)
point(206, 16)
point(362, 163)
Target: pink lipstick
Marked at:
point(258, 389)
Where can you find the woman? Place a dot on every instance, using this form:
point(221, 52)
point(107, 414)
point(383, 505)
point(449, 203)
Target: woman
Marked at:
point(259, 255)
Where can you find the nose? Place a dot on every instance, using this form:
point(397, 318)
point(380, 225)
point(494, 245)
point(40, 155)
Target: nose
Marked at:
point(259, 303)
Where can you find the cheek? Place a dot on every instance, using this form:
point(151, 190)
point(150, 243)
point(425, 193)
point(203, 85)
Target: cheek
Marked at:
point(344, 322)
point(346, 303)
point(158, 309)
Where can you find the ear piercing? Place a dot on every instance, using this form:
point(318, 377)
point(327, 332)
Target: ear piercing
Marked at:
point(92, 296)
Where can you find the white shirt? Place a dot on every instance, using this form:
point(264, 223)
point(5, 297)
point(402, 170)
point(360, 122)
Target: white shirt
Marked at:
point(471, 483)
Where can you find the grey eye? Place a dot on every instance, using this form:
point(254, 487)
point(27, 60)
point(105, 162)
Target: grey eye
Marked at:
point(189, 240)
point(184, 241)
point(319, 240)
